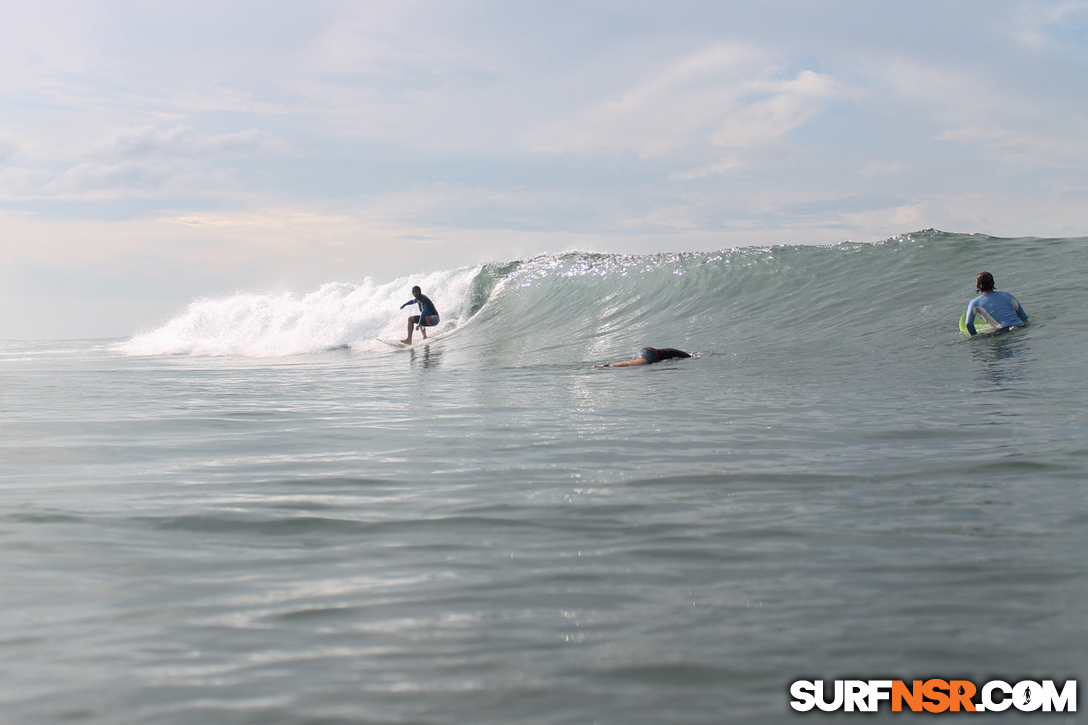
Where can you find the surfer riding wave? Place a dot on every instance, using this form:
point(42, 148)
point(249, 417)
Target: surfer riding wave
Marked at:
point(427, 317)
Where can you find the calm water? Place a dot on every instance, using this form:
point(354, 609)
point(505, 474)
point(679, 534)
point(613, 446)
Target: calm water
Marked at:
point(257, 514)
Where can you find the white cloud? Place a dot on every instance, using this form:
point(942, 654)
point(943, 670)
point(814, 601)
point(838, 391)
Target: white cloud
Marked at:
point(791, 104)
point(975, 134)
point(729, 95)
point(139, 162)
point(18, 183)
point(1045, 25)
point(185, 141)
point(674, 107)
point(956, 92)
point(1004, 122)
point(8, 149)
point(93, 180)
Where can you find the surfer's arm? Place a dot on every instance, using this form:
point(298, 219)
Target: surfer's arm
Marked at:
point(624, 363)
point(1019, 310)
point(409, 302)
point(971, 319)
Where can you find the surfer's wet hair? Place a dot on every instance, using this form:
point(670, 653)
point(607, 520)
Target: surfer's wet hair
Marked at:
point(984, 282)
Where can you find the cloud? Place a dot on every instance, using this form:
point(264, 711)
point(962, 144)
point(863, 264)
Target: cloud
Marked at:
point(1052, 25)
point(139, 162)
point(93, 180)
point(965, 108)
point(17, 183)
point(954, 91)
point(185, 141)
point(976, 134)
point(729, 96)
point(8, 149)
point(791, 104)
point(673, 107)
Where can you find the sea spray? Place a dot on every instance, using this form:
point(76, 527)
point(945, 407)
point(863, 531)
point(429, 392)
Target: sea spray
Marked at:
point(335, 315)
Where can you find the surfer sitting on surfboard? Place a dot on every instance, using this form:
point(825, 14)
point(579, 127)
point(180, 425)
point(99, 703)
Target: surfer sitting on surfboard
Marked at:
point(427, 317)
point(999, 309)
point(647, 356)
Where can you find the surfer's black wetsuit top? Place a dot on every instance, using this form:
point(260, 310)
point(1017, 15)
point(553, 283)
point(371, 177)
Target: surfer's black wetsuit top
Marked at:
point(426, 309)
point(653, 354)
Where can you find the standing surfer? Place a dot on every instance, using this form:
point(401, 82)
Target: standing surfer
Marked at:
point(427, 317)
point(999, 309)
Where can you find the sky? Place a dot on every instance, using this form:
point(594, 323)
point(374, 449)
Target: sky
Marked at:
point(153, 153)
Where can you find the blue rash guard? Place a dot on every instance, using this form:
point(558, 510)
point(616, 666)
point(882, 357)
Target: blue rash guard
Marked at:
point(1000, 309)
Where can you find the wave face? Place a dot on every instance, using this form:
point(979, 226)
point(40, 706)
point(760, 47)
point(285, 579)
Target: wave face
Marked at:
point(794, 301)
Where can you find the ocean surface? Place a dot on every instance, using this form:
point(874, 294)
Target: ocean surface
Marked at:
point(257, 513)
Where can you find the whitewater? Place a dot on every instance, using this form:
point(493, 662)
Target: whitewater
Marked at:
point(256, 512)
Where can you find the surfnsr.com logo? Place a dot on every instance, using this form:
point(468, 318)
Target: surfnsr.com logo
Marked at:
point(934, 696)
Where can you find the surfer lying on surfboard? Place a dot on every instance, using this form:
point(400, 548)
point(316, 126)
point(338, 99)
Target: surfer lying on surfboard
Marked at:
point(427, 317)
point(999, 309)
point(647, 356)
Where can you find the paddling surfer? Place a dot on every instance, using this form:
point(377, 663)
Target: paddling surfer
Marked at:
point(999, 309)
point(427, 317)
point(648, 356)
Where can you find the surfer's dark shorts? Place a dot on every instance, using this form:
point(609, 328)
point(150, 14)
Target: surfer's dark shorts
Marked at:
point(428, 321)
point(649, 354)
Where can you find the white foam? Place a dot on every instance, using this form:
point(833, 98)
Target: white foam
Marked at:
point(275, 325)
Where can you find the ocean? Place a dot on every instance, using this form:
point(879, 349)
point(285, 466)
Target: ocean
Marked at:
point(258, 513)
